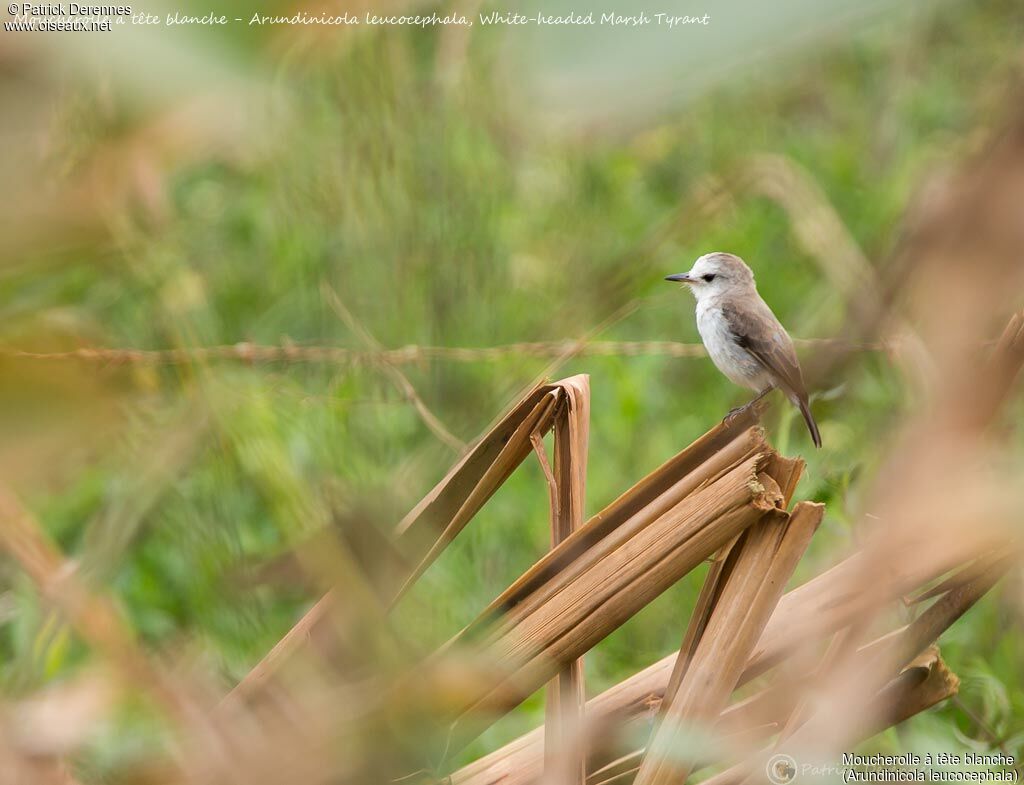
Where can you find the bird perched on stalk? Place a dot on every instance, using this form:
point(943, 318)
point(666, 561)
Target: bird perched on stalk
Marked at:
point(743, 338)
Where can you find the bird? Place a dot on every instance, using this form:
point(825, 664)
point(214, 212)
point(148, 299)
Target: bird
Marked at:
point(744, 339)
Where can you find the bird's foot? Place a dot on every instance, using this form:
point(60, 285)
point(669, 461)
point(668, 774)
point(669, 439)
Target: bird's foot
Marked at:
point(734, 413)
point(739, 410)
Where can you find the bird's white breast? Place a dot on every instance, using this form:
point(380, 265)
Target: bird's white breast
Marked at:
point(739, 365)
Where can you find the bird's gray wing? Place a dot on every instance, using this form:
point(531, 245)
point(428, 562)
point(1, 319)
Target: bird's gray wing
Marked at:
point(758, 331)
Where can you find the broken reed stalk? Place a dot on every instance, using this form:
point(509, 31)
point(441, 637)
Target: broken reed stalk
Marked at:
point(565, 754)
point(619, 578)
point(870, 672)
point(446, 510)
point(787, 472)
point(1001, 369)
point(922, 684)
point(925, 682)
point(751, 582)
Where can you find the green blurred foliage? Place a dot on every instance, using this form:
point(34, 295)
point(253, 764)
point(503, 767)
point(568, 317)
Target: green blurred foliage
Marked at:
point(447, 218)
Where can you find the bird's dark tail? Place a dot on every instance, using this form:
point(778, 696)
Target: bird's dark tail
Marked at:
point(812, 426)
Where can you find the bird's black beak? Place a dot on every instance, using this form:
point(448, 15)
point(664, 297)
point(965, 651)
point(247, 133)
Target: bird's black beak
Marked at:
point(680, 277)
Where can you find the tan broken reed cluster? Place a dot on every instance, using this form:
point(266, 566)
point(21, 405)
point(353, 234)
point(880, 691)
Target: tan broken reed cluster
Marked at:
point(725, 498)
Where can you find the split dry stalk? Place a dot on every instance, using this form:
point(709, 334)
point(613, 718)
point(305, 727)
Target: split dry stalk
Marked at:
point(752, 579)
point(565, 762)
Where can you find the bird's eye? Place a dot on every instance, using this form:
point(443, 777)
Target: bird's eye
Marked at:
point(709, 277)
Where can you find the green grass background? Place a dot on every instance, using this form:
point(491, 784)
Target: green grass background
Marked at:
point(459, 219)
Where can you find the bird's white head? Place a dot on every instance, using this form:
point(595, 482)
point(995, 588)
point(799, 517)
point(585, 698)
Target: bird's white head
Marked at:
point(716, 274)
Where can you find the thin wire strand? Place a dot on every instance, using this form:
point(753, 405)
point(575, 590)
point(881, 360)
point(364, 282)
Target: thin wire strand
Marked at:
point(406, 355)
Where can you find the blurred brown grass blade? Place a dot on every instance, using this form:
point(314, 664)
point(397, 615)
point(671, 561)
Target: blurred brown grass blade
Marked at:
point(965, 221)
point(752, 579)
point(294, 640)
point(565, 757)
point(92, 615)
point(358, 563)
point(1003, 366)
point(618, 771)
point(842, 645)
point(968, 573)
point(608, 583)
point(43, 730)
point(19, 768)
point(943, 613)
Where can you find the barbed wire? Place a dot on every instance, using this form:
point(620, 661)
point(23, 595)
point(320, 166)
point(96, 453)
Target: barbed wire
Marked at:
point(294, 353)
